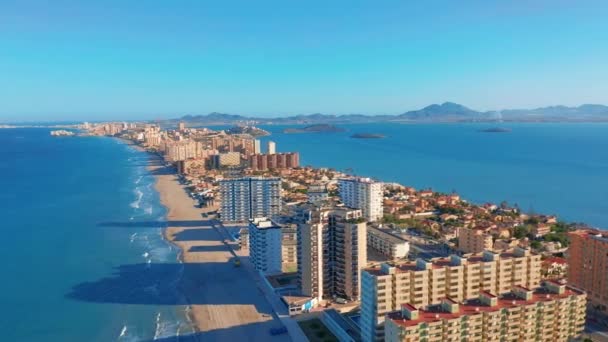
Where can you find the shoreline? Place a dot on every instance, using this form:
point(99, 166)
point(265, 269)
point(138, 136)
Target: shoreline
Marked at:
point(222, 301)
point(152, 166)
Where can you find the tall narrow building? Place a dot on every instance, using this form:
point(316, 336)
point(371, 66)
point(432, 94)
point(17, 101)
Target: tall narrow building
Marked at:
point(587, 264)
point(243, 199)
point(332, 250)
point(265, 251)
point(271, 147)
point(363, 193)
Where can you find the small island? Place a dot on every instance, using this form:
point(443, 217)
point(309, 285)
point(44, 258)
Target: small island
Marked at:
point(251, 130)
point(495, 130)
point(320, 128)
point(368, 136)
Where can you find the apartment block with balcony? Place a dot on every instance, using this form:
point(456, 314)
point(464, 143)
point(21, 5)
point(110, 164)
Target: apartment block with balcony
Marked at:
point(243, 199)
point(265, 240)
point(365, 194)
point(587, 265)
point(553, 312)
point(389, 245)
point(331, 252)
point(423, 282)
point(474, 240)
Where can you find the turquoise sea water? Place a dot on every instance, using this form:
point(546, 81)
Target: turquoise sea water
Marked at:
point(67, 275)
point(77, 270)
point(550, 168)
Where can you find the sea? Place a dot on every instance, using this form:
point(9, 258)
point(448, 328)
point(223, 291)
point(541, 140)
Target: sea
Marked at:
point(550, 168)
point(75, 268)
point(84, 257)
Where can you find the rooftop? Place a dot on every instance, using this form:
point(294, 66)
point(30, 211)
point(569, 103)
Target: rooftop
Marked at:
point(385, 235)
point(436, 313)
point(438, 263)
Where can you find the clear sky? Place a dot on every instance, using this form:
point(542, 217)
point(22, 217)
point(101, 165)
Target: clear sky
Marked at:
point(111, 59)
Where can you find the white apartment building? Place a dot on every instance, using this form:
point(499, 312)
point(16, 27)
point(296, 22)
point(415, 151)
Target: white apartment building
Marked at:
point(363, 193)
point(243, 199)
point(387, 244)
point(271, 147)
point(265, 250)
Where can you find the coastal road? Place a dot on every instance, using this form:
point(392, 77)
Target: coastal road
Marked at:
point(227, 304)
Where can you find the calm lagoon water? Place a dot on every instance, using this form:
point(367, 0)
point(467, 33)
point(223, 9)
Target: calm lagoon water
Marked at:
point(550, 168)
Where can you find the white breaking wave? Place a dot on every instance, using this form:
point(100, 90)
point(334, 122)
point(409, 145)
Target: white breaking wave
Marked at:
point(132, 238)
point(140, 195)
point(166, 329)
point(123, 331)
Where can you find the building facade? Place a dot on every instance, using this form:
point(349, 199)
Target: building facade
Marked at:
point(386, 287)
point(474, 240)
point(263, 162)
point(387, 244)
point(364, 194)
point(243, 199)
point(553, 312)
point(265, 241)
point(587, 265)
point(271, 147)
point(331, 253)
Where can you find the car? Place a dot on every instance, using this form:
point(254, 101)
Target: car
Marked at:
point(278, 331)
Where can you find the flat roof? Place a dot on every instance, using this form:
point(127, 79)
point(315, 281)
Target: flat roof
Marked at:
point(437, 263)
point(386, 235)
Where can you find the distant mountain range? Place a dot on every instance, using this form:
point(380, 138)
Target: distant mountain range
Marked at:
point(445, 112)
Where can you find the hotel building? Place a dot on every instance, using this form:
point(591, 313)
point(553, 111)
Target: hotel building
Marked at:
point(332, 250)
point(554, 312)
point(386, 287)
point(243, 199)
point(265, 251)
point(364, 194)
point(587, 265)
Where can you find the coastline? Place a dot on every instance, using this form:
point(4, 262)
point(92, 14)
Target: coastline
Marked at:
point(162, 186)
point(230, 306)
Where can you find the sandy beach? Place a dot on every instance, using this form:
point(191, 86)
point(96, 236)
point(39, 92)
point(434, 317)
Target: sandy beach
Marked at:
point(225, 302)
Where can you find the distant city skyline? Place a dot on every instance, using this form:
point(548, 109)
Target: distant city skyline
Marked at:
point(115, 60)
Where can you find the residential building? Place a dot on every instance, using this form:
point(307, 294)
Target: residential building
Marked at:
point(289, 247)
point(387, 286)
point(554, 312)
point(181, 126)
point(331, 252)
point(228, 159)
point(387, 244)
point(587, 265)
point(263, 162)
point(271, 147)
point(243, 199)
point(265, 251)
point(317, 193)
point(474, 240)
point(257, 149)
point(364, 194)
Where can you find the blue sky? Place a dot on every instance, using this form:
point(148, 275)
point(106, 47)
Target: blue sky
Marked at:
point(67, 60)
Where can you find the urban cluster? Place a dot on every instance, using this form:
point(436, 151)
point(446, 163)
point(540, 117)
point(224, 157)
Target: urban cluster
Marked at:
point(381, 261)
